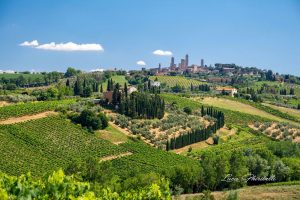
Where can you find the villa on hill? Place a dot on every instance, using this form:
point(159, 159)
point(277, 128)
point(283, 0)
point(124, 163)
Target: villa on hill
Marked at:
point(226, 90)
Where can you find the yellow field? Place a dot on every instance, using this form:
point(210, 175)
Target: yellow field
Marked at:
point(241, 107)
point(171, 81)
point(290, 111)
point(282, 192)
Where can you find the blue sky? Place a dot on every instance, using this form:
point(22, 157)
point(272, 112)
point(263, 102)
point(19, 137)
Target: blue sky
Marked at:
point(258, 33)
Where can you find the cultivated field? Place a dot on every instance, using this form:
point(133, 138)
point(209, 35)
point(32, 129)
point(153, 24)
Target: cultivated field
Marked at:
point(179, 80)
point(241, 107)
point(47, 144)
point(290, 111)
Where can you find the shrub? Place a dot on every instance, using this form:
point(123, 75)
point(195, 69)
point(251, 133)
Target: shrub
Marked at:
point(187, 110)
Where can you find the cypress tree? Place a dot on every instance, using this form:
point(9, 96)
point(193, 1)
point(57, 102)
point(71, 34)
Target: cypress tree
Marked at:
point(125, 90)
point(68, 83)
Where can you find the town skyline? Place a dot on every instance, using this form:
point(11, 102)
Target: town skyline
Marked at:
point(103, 34)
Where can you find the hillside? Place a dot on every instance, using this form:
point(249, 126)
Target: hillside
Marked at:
point(172, 81)
point(46, 144)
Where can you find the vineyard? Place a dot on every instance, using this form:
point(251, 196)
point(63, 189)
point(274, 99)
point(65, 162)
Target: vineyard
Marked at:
point(148, 159)
point(47, 144)
point(30, 108)
point(242, 141)
point(172, 81)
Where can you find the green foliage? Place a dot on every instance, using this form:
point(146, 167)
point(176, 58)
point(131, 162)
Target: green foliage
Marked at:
point(89, 119)
point(141, 105)
point(198, 134)
point(71, 72)
point(187, 110)
point(58, 186)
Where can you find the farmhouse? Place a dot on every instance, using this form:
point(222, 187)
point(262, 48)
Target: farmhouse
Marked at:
point(229, 91)
point(131, 89)
point(107, 95)
point(155, 83)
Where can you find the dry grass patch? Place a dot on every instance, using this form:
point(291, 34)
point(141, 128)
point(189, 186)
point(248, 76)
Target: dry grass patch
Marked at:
point(284, 192)
point(28, 117)
point(107, 158)
point(4, 103)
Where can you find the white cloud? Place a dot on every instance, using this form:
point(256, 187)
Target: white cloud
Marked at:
point(33, 43)
point(69, 46)
point(97, 70)
point(162, 53)
point(141, 62)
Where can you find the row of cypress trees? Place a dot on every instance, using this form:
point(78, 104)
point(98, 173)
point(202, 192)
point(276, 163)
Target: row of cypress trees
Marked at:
point(136, 104)
point(198, 135)
point(83, 86)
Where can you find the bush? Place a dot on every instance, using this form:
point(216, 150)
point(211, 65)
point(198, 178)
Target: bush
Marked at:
point(187, 110)
point(104, 120)
point(90, 120)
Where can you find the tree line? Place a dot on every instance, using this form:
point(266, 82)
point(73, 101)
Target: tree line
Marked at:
point(198, 135)
point(136, 104)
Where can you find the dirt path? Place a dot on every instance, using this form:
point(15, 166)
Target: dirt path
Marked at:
point(197, 145)
point(107, 158)
point(4, 103)
point(27, 117)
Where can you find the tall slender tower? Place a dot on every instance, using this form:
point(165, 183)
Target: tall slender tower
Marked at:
point(202, 62)
point(159, 67)
point(172, 62)
point(186, 61)
point(182, 64)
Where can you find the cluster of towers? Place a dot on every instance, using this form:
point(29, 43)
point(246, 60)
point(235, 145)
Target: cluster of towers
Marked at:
point(183, 65)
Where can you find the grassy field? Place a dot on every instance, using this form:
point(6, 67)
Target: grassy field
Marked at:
point(179, 80)
point(112, 134)
point(117, 79)
point(265, 192)
point(290, 111)
point(241, 107)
